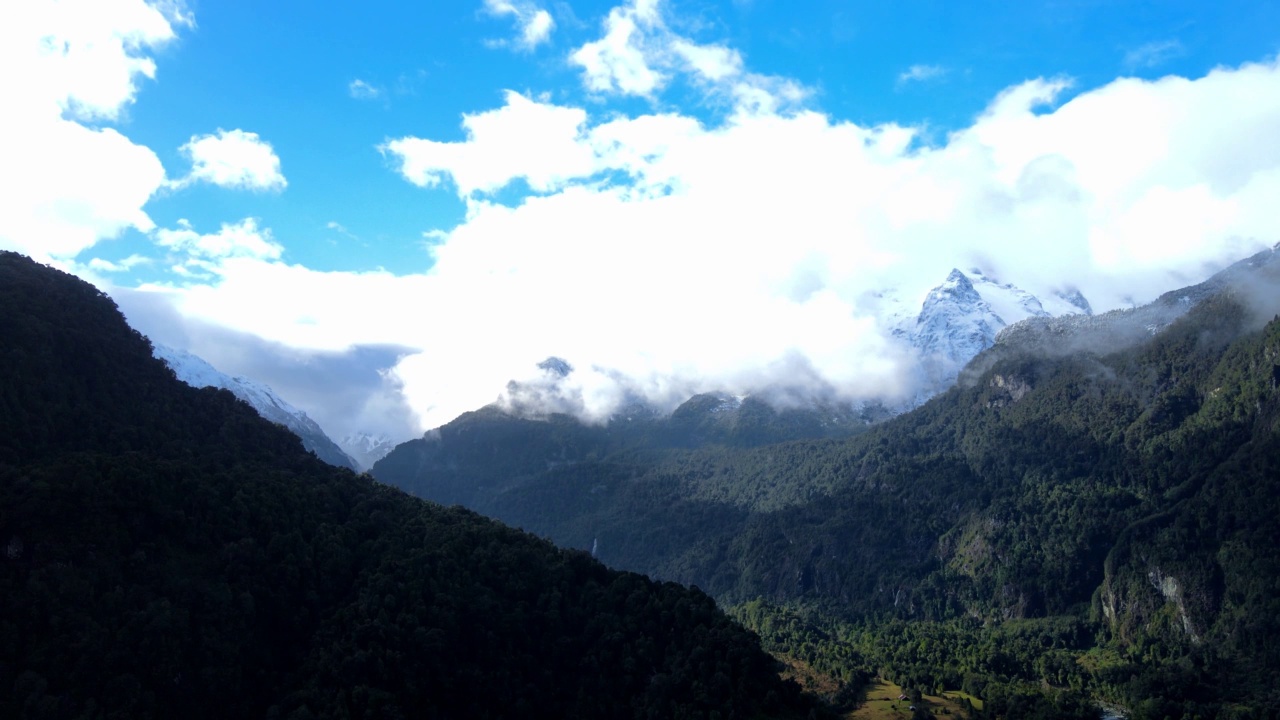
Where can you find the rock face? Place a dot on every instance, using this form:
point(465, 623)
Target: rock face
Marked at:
point(196, 372)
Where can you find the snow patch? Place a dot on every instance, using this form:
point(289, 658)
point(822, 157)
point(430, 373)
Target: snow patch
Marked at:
point(196, 372)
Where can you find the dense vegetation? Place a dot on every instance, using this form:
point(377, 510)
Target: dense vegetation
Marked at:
point(489, 452)
point(167, 553)
point(1131, 495)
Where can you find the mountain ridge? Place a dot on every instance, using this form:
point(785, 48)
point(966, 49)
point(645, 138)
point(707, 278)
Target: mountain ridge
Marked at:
point(1255, 278)
point(197, 372)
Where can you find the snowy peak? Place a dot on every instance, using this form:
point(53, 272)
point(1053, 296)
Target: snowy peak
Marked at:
point(196, 372)
point(1011, 304)
point(556, 367)
point(955, 278)
point(955, 322)
point(367, 448)
point(962, 316)
point(192, 369)
point(1074, 298)
point(957, 288)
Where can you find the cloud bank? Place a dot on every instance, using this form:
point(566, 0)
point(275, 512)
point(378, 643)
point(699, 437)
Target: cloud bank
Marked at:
point(661, 256)
point(67, 66)
point(340, 390)
point(662, 253)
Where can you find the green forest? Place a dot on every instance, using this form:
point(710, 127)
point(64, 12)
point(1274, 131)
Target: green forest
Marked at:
point(170, 554)
point(1062, 529)
point(1075, 522)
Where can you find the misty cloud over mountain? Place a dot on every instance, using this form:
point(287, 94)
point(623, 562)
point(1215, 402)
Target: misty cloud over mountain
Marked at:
point(680, 221)
point(671, 257)
point(345, 392)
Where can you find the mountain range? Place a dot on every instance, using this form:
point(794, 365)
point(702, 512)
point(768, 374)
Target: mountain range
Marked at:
point(1097, 494)
point(957, 319)
point(1075, 508)
point(940, 333)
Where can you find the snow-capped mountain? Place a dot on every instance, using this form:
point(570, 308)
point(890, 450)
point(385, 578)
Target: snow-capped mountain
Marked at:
point(196, 372)
point(955, 322)
point(367, 448)
point(961, 317)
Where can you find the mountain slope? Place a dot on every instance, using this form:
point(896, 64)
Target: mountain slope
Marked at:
point(196, 372)
point(168, 553)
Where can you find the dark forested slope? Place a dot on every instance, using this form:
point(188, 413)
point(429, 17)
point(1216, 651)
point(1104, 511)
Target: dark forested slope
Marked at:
point(483, 454)
point(167, 553)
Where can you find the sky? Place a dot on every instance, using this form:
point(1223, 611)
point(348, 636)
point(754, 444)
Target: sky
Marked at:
point(388, 211)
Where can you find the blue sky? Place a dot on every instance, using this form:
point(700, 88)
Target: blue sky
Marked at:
point(284, 71)
point(730, 184)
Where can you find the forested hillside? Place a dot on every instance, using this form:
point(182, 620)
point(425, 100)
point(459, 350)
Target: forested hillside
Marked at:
point(488, 452)
point(1123, 502)
point(170, 554)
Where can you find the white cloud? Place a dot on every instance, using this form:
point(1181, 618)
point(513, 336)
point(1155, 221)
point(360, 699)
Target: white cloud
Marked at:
point(922, 73)
point(361, 90)
point(203, 255)
point(639, 54)
point(537, 29)
point(1153, 54)
point(298, 307)
point(66, 187)
point(622, 61)
point(107, 266)
point(662, 256)
point(63, 62)
point(233, 159)
point(535, 24)
point(240, 240)
point(713, 62)
point(339, 228)
point(524, 139)
point(84, 55)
